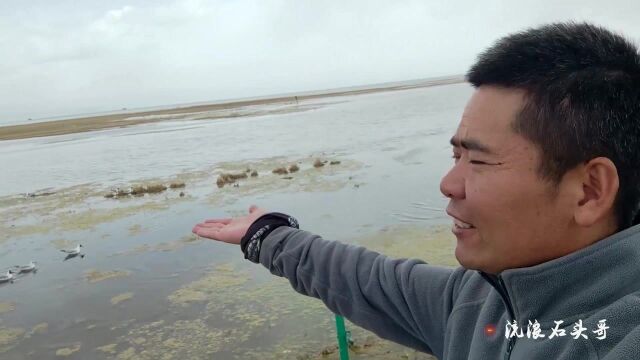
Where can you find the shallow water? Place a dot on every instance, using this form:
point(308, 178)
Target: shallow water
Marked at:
point(147, 289)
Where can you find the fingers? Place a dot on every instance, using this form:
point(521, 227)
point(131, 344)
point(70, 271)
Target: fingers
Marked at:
point(252, 208)
point(209, 233)
point(211, 225)
point(220, 221)
point(207, 230)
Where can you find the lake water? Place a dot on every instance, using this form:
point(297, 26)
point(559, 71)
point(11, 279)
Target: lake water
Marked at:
point(147, 289)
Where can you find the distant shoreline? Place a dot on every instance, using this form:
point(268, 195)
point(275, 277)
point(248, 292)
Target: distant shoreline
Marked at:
point(102, 122)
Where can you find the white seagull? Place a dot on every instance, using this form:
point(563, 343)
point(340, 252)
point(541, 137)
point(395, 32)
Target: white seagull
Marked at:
point(8, 277)
point(74, 251)
point(71, 253)
point(26, 268)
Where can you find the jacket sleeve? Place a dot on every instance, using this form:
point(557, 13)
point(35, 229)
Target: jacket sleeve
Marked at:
point(406, 301)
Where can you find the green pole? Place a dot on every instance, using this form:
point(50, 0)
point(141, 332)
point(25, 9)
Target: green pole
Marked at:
point(343, 340)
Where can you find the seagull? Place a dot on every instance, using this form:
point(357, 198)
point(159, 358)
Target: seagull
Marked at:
point(71, 253)
point(26, 268)
point(74, 251)
point(8, 277)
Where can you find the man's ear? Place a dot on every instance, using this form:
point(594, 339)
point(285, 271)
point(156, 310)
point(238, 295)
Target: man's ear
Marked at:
point(600, 185)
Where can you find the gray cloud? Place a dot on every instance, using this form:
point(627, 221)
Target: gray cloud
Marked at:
point(69, 57)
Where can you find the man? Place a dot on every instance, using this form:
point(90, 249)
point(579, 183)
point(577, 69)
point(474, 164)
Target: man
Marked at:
point(544, 195)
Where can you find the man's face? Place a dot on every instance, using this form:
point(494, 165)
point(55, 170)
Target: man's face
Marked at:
point(505, 214)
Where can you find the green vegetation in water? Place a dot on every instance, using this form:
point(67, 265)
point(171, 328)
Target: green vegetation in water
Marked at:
point(187, 339)
point(220, 279)
point(41, 328)
point(90, 218)
point(120, 298)
point(226, 308)
point(94, 276)
point(164, 246)
point(9, 337)
point(60, 244)
point(108, 349)
point(68, 351)
point(83, 207)
point(136, 229)
point(72, 220)
point(141, 189)
point(7, 307)
point(238, 311)
point(435, 245)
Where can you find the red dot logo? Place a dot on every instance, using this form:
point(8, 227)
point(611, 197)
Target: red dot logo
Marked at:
point(490, 330)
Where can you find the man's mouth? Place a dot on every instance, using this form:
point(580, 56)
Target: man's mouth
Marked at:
point(459, 224)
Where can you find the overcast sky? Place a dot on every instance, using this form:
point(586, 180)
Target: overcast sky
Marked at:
point(68, 57)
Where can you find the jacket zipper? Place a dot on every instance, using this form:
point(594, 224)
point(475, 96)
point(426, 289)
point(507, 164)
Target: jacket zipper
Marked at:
point(512, 340)
point(497, 282)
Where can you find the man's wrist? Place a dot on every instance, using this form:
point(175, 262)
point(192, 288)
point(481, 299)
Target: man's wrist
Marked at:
point(259, 230)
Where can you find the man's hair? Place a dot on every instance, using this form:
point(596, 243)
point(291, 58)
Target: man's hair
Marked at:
point(582, 85)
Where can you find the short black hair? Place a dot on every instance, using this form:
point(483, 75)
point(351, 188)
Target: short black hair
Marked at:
point(582, 85)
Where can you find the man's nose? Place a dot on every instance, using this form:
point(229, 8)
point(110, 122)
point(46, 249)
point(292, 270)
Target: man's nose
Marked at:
point(452, 184)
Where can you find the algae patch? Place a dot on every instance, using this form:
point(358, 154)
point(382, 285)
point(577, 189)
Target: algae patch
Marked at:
point(188, 339)
point(68, 209)
point(7, 307)
point(164, 246)
point(41, 328)
point(136, 229)
point(108, 349)
point(92, 217)
point(120, 298)
point(128, 354)
point(10, 337)
point(68, 350)
point(94, 276)
point(61, 244)
point(435, 245)
point(238, 314)
point(221, 278)
point(141, 189)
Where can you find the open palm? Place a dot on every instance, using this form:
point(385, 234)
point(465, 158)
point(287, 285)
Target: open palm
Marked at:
point(229, 230)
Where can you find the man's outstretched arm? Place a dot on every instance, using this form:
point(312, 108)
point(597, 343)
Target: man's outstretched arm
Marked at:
point(406, 301)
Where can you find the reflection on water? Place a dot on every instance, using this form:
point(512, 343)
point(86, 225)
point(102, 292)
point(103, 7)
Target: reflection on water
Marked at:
point(148, 289)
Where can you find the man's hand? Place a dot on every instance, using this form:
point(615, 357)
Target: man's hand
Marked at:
point(230, 230)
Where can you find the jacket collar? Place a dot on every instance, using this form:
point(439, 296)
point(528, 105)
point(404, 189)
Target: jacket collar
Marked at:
point(575, 284)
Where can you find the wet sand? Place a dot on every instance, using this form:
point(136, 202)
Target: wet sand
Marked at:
point(84, 124)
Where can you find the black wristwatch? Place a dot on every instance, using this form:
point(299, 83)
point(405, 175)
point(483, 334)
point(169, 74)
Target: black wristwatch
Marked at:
point(260, 229)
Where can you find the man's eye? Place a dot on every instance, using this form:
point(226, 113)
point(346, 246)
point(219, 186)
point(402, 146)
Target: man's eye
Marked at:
point(477, 162)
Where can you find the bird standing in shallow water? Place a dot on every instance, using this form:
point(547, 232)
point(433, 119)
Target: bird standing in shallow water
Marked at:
point(71, 253)
point(8, 277)
point(30, 267)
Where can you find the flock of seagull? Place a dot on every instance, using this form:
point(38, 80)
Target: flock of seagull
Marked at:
point(32, 266)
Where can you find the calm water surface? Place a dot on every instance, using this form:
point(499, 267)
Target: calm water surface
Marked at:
point(166, 294)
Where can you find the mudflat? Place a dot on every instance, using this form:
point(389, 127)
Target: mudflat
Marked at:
point(102, 122)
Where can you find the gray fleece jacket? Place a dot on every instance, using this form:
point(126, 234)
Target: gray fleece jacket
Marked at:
point(466, 314)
